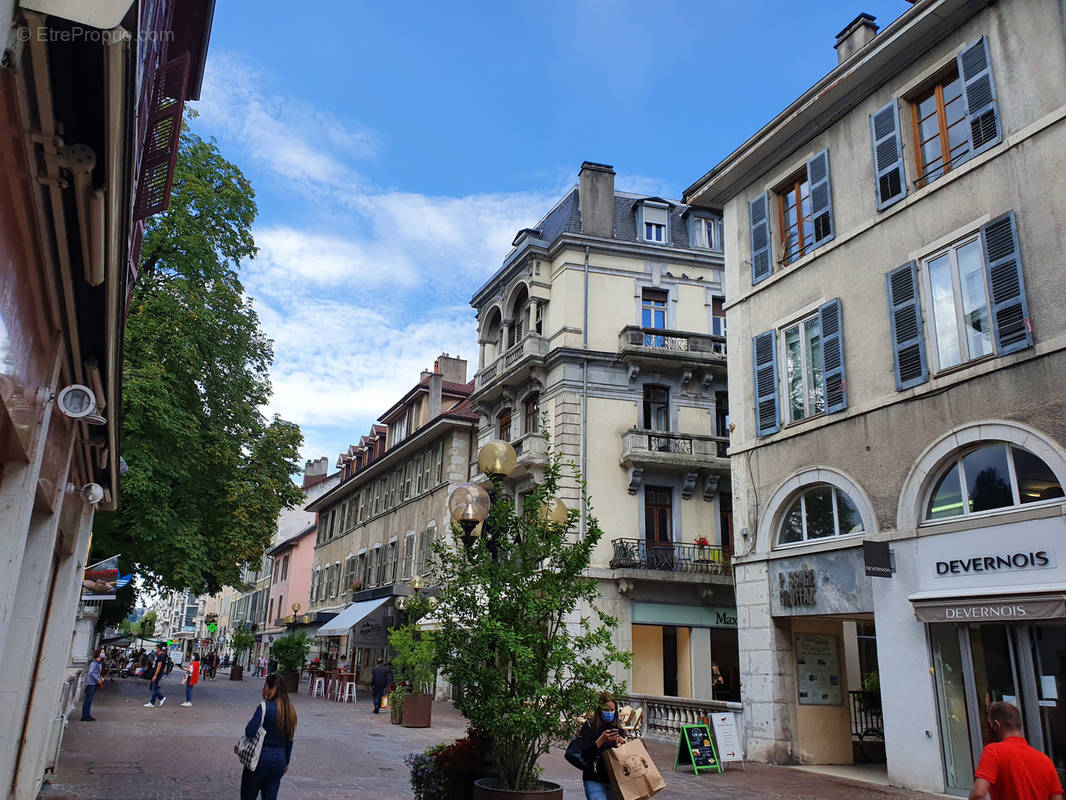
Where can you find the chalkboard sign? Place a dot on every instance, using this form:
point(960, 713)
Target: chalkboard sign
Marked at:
point(696, 748)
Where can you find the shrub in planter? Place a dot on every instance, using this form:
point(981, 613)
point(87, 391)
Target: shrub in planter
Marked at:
point(448, 771)
point(427, 781)
point(242, 642)
point(291, 652)
point(413, 653)
point(396, 700)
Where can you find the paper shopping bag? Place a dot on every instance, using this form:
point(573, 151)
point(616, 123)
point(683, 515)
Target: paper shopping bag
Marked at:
point(633, 773)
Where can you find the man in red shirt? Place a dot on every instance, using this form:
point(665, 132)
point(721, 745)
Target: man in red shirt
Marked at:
point(1009, 768)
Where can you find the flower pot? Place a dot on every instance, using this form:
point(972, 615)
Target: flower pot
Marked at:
point(417, 710)
point(485, 789)
point(236, 673)
point(291, 682)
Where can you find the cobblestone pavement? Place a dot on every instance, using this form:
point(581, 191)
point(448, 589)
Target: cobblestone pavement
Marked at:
point(341, 752)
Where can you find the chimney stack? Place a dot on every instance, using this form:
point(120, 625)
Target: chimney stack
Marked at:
point(451, 368)
point(856, 35)
point(315, 471)
point(596, 199)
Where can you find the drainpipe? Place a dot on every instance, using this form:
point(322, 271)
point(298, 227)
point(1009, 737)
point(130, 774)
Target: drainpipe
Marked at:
point(585, 393)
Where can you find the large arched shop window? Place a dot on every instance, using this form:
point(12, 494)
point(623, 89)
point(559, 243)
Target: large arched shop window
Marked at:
point(990, 476)
point(819, 511)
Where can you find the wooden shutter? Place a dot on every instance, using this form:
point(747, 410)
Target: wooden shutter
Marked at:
point(758, 210)
point(159, 150)
point(905, 316)
point(764, 349)
point(890, 177)
point(836, 390)
point(821, 198)
point(975, 69)
point(1006, 287)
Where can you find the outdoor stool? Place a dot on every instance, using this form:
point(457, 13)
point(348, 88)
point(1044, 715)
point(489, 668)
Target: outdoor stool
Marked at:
point(319, 688)
point(348, 696)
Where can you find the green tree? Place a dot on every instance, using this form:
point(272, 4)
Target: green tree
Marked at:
point(208, 474)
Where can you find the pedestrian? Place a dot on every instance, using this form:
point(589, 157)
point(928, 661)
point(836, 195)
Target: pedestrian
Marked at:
point(92, 683)
point(598, 734)
point(272, 666)
point(1011, 769)
point(158, 670)
point(214, 664)
point(260, 666)
point(379, 681)
point(192, 677)
point(279, 723)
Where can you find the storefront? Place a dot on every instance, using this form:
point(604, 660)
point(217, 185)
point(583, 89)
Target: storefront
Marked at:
point(359, 633)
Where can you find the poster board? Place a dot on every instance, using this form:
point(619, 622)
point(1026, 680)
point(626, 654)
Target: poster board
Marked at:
point(695, 748)
point(818, 680)
point(725, 734)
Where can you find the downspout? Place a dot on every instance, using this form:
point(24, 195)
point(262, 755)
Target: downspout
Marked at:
point(585, 395)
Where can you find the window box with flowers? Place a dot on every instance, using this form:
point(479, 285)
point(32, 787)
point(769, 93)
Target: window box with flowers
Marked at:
point(703, 552)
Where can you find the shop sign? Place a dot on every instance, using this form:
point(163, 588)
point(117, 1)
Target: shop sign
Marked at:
point(1010, 609)
point(796, 588)
point(833, 582)
point(1004, 561)
point(877, 559)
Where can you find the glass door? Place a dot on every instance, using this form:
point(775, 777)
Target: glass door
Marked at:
point(995, 678)
point(1049, 667)
point(950, 677)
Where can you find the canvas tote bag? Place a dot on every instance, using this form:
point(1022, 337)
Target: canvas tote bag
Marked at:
point(248, 750)
point(633, 773)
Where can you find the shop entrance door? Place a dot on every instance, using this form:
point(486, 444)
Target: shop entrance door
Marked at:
point(1048, 657)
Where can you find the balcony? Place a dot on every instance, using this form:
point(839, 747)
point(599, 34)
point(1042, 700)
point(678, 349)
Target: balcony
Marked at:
point(514, 364)
point(656, 345)
point(638, 554)
point(685, 452)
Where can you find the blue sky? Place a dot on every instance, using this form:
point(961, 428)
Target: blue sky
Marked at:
point(395, 149)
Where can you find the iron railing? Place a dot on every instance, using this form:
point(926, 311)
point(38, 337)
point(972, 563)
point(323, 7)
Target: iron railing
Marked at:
point(688, 444)
point(641, 554)
point(866, 720)
point(635, 336)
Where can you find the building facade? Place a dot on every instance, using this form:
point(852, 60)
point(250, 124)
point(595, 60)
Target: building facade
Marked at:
point(896, 334)
point(603, 331)
point(377, 528)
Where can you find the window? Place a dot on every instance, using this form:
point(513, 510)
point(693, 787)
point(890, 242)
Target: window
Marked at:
point(377, 565)
point(281, 605)
point(505, 425)
point(336, 579)
point(941, 132)
point(819, 512)
point(654, 232)
point(957, 303)
point(408, 556)
point(314, 584)
point(794, 217)
point(270, 613)
point(717, 317)
point(360, 570)
point(427, 469)
point(707, 233)
point(656, 408)
point(539, 318)
point(532, 409)
point(416, 478)
point(425, 549)
point(285, 568)
point(989, 477)
point(658, 516)
point(653, 309)
point(408, 479)
point(275, 572)
point(721, 414)
point(652, 222)
point(804, 381)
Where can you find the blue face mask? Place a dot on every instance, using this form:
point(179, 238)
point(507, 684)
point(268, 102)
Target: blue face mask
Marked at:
point(608, 716)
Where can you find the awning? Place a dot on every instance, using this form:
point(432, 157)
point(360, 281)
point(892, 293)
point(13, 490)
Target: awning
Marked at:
point(992, 608)
point(350, 617)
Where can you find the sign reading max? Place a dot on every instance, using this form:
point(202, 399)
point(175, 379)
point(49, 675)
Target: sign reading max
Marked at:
point(997, 562)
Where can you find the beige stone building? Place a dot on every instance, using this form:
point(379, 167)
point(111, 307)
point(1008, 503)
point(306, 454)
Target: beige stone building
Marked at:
point(376, 529)
point(604, 328)
point(896, 332)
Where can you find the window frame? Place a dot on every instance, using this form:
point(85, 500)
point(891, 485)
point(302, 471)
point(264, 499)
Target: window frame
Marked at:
point(783, 190)
point(936, 84)
point(651, 404)
point(801, 495)
point(531, 413)
point(504, 425)
point(785, 395)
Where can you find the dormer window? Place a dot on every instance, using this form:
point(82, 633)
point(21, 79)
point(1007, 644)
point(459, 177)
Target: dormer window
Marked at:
point(707, 232)
point(653, 221)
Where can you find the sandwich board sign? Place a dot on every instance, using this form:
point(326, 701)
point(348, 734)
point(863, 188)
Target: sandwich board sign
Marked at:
point(695, 748)
point(725, 733)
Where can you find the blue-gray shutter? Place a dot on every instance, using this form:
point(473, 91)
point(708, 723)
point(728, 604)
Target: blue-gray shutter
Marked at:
point(979, 91)
point(1006, 287)
point(821, 198)
point(832, 324)
point(890, 177)
point(759, 212)
point(764, 352)
point(905, 316)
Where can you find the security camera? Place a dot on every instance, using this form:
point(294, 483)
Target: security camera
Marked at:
point(91, 493)
point(77, 401)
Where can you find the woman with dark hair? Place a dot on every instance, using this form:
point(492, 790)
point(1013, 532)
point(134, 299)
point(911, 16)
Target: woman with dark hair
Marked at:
point(279, 723)
point(599, 733)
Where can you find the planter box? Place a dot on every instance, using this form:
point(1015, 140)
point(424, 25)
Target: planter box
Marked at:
point(291, 682)
point(417, 710)
point(485, 789)
point(236, 673)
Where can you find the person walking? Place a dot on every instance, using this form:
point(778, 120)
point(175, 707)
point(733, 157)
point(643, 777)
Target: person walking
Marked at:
point(92, 683)
point(379, 681)
point(214, 664)
point(598, 734)
point(1010, 768)
point(260, 667)
point(192, 677)
point(279, 723)
point(158, 670)
point(272, 666)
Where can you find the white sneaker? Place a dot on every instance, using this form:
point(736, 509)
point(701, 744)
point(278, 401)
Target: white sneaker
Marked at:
point(148, 705)
point(186, 704)
point(163, 700)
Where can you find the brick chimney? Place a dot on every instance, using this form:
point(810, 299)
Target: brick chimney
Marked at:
point(451, 368)
point(596, 198)
point(856, 35)
point(315, 472)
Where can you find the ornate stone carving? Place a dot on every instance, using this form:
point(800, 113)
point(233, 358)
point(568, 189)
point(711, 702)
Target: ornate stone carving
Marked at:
point(688, 485)
point(636, 477)
point(710, 486)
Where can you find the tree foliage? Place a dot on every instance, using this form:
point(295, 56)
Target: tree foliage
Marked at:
point(208, 474)
point(524, 633)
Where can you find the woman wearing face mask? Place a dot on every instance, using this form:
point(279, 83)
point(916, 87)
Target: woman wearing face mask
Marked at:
point(598, 734)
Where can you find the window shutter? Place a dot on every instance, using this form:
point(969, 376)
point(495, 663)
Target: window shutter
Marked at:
point(159, 151)
point(836, 390)
point(905, 317)
point(764, 347)
point(1003, 262)
point(982, 110)
point(758, 210)
point(890, 178)
point(821, 198)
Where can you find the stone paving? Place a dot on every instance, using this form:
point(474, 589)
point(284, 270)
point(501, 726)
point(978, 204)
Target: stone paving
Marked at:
point(341, 752)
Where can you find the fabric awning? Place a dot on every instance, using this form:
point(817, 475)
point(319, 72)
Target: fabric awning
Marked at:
point(350, 617)
point(991, 608)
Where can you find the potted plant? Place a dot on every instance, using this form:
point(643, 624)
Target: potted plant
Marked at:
point(242, 642)
point(523, 631)
point(447, 771)
point(413, 653)
point(396, 700)
point(701, 547)
point(291, 652)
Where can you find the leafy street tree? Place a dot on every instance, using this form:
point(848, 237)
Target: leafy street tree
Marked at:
point(208, 474)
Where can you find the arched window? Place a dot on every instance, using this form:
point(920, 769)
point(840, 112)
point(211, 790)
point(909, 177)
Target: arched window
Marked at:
point(818, 512)
point(988, 477)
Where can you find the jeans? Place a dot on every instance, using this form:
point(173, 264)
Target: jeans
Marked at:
point(87, 706)
point(188, 692)
point(156, 693)
point(594, 790)
point(266, 779)
point(378, 694)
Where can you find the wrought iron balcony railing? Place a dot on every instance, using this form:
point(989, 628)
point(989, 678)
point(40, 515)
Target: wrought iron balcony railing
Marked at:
point(676, 557)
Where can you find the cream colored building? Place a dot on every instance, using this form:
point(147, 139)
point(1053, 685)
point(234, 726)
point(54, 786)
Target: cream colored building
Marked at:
point(605, 324)
point(897, 377)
